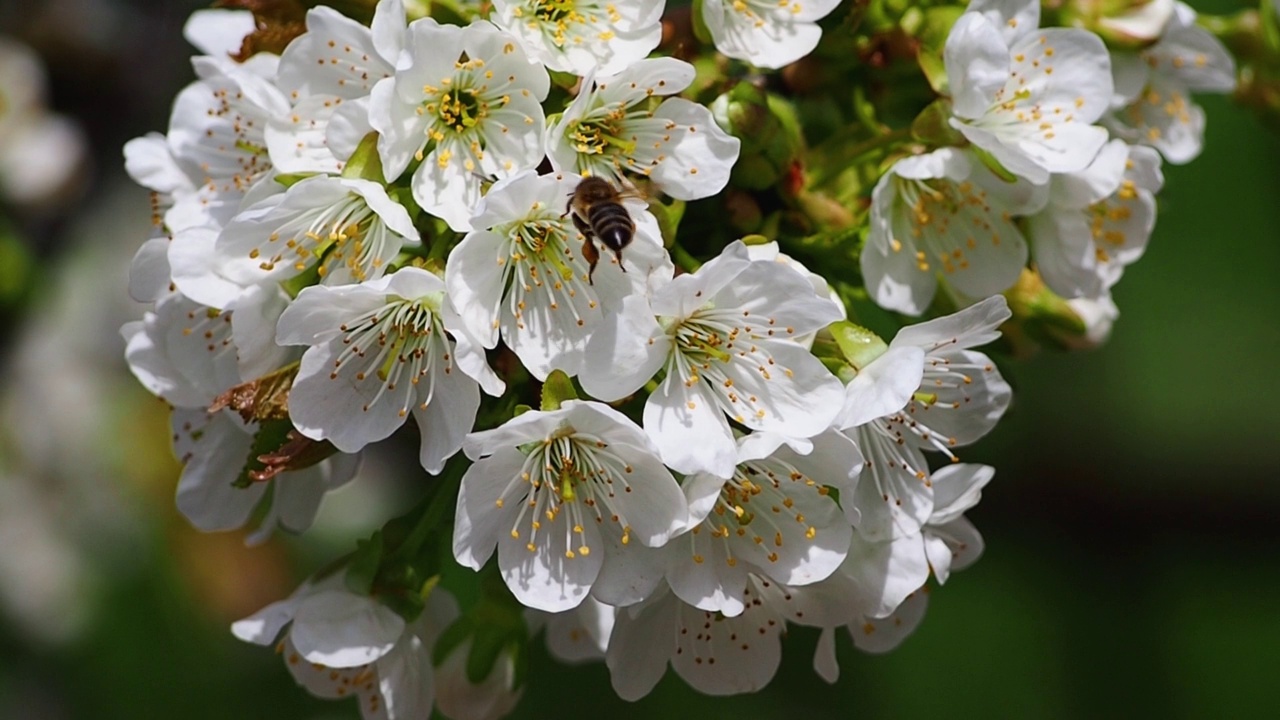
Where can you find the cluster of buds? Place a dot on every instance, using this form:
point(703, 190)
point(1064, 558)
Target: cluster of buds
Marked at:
point(580, 260)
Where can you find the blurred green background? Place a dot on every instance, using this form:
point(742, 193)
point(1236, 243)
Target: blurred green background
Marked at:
point(1132, 564)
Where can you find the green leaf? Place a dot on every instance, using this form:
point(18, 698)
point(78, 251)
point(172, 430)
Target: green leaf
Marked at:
point(363, 567)
point(364, 163)
point(556, 389)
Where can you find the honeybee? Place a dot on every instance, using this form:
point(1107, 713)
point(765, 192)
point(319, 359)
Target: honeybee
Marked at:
point(597, 211)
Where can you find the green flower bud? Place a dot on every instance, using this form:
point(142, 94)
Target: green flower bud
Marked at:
point(1122, 24)
point(769, 130)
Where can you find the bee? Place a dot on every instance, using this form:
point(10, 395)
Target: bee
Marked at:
point(597, 211)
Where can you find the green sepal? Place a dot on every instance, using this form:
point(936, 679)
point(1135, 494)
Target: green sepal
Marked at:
point(933, 127)
point(993, 164)
point(859, 345)
point(364, 163)
point(290, 179)
point(364, 564)
point(700, 29)
point(520, 410)
point(271, 435)
point(564, 80)
point(932, 33)
point(556, 389)
point(668, 216)
point(303, 280)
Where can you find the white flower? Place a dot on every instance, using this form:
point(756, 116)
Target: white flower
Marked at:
point(1138, 24)
point(1028, 97)
point(560, 494)
point(928, 391)
point(872, 635)
point(715, 654)
point(338, 644)
point(328, 73)
point(346, 230)
point(465, 119)
point(775, 518)
point(578, 36)
point(766, 33)
point(378, 352)
point(40, 152)
point(215, 448)
point(770, 251)
point(520, 273)
point(1152, 87)
point(944, 213)
point(723, 336)
point(218, 33)
point(610, 129)
point(185, 354)
point(216, 140)
point(578, 635)
point(1098, 315)
point(1097, 221)
point(490, 699)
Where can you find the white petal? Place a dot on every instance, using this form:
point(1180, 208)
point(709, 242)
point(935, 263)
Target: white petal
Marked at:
point(885, 573)
point(977, 62)
point(334, 403)
point(148, 161)
point(196, 269)
point(264, 626)
point(674, 413)
point(971, 327)
point(625, 352)
point(893, 497)
point(217, 452)
point(479, 519)
point(699, 156)
point(218, 32)
point(700, 574)
point(447, 418)
point(632, 572)
point(297, 141)
point(1013, 18)
point(400, 128)
point(582, 634)
point(882, 635)
point(824, 656)
point(474, 278)
point(641, 645)
point(958, 488)
point(545, 578)
point(882, 387)
point(726, 656)
point(406, 682)
point(339, 629)
point(254, 315)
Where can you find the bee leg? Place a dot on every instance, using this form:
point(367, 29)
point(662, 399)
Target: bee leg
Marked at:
point(592, 256)
point(618, 254)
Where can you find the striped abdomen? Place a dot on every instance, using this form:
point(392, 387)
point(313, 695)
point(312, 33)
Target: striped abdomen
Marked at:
point(611, 224)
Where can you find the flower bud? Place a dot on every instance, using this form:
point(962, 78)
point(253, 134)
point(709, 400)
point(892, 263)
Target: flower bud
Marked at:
point(493, 696)
point(768, 128)
point(1044, 317)
point(1123, 24)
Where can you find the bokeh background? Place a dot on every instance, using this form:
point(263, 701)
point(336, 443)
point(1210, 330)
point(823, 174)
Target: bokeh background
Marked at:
point(1133, 558)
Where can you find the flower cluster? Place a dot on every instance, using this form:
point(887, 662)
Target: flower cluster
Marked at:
point(649, 427)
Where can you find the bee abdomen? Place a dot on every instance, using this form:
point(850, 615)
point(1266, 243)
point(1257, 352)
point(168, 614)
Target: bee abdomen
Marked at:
point(612, 224)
